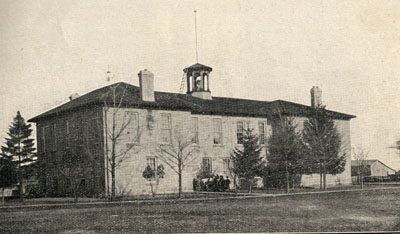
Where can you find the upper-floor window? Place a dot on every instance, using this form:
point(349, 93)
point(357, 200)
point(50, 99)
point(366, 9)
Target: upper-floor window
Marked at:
point(132, 125)
point(67, 127)
point(42, 140)
point(261, 132)
point(195, 130)
point(240, 131)
point(49, 138)
point(217, 131)
point(165, 128)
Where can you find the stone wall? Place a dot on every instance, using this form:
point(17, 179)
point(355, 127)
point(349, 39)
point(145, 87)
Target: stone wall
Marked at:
point(76, 131)
point(129, 174)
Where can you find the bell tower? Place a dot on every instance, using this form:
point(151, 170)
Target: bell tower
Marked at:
point(198, 81)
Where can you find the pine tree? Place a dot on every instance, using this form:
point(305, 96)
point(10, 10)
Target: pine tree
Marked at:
point(323, 145)
point(247, 160)
point(19, 147)
point(285, 152)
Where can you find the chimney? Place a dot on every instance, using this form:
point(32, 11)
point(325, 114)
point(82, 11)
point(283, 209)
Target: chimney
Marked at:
point(146, 82)
point(73, 96)
point(316, 96)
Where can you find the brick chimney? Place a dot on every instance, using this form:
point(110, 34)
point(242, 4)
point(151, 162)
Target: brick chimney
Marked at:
point(146, 82)
point(316, 96)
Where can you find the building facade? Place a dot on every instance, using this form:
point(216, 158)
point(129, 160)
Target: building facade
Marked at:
point(140, 125)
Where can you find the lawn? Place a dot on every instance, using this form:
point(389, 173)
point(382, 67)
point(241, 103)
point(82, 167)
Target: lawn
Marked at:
point(344, 211)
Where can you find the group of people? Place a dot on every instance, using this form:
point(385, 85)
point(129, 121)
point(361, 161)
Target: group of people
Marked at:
point(213, 184)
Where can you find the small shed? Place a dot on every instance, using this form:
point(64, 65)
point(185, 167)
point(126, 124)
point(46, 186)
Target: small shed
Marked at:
point(372, 168)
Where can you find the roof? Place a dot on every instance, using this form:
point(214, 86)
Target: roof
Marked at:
point(354, 163)
point(197, 67)
point(175, 101)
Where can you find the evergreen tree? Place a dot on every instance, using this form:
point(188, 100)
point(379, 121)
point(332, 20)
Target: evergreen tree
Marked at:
point(285, 160)
point(323, 145)
point(19, 146)
point(247, 160)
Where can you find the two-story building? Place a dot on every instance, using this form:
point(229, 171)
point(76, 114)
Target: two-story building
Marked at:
point(136, 122)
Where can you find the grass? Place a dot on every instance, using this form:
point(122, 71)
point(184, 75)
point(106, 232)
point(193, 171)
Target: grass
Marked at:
point(345, 211)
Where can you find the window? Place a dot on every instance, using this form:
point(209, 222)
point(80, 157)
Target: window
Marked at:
point(54, 137)
point(195, 130)
point(217, 131)
point(165, 128)
point(49, 138)
point(67, 126)
point(261, 132)
point(42, 140)
point(207, 163)
point(226, 165)
point(67, 131)
point(132, 128)
point(151, 161)
point(240, 131)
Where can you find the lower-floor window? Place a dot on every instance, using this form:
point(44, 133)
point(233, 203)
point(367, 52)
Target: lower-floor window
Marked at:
point(207, 163)
point(151, 161)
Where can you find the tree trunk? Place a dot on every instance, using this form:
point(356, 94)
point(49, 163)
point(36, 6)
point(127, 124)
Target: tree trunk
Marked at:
point(293, 178)
point(2, 196)
point(362, 181)
point(76, 191)
point(235, 183)
point(250, 184)
point(324, 179)
point(113, 172)
point(180, 177)
point(287, 179)
point(320, 180)
point(21, 193)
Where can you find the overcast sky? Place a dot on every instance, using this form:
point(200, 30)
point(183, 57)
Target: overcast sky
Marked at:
point(264, 50)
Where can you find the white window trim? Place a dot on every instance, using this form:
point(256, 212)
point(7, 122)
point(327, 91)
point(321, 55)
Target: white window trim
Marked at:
point(220, 133)
point(132, 129)
point(170, 129)
point(237, 130)
point(209, 162)
point(196, 133)
point(265, 131)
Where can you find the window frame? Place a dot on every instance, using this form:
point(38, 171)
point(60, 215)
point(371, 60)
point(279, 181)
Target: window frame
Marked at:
point(168, 129)
point(194, 121)
point(154, 162)
point(132, 129)
point(262, 140)
point(54, 128)
point(209, 159)
point(226, 166)
point(216, 132)
point(239, 140)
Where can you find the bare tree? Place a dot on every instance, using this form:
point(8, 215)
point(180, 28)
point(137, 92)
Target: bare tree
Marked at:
point(117, 122)
point(177, 156)
point(360, 156)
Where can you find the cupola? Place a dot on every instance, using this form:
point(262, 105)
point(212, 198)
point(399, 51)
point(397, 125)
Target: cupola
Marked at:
point(198, 81)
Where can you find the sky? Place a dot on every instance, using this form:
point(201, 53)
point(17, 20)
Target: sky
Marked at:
point(263, 50)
